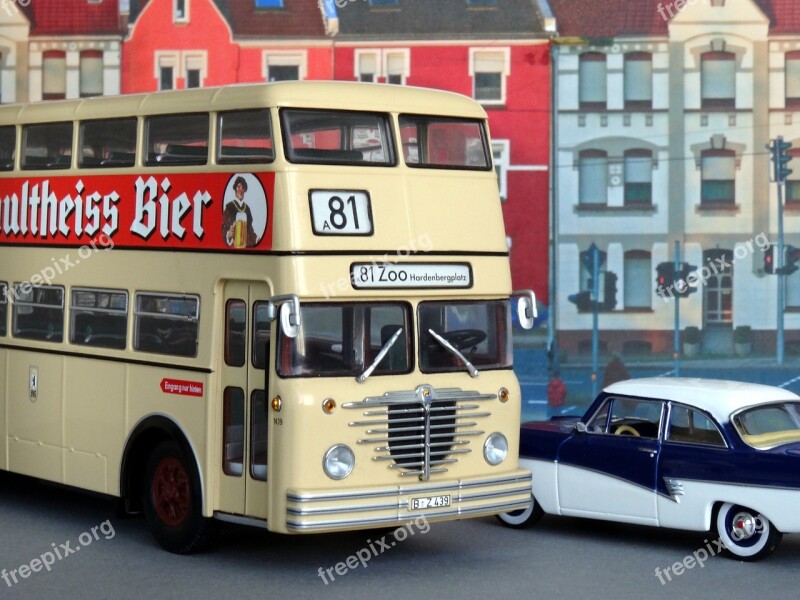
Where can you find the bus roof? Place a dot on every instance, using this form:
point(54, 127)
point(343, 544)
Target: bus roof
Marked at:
point(335, 95)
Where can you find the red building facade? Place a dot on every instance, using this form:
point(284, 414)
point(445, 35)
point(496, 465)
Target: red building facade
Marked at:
point(498, 54)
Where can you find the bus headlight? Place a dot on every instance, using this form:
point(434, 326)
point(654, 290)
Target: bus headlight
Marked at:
point(338, 462)
point(495, 448)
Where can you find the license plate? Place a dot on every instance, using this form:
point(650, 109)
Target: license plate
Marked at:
point(430, 502)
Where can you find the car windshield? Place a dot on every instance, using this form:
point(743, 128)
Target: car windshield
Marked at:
point(345, 340)
point(769, 425)
point(477, 330)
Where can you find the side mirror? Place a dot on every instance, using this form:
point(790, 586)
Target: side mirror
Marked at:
point(526, 307)
point(580, 427)
point(289, 313)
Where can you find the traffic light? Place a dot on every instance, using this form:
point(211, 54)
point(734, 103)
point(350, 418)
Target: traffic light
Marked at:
point(682, 287)
point(790, 257)
point(665, 278)
point(770, 260)
point(780, 157)
point(583, 300)
point(609, 297)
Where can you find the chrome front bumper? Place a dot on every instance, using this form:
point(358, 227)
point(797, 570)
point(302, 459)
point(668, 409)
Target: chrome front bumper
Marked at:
point(318, 510)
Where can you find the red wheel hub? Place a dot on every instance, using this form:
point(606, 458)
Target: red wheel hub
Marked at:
point(172, 494)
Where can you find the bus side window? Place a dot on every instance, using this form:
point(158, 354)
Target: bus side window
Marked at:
point(245, 136)
point(177, 140)
point(99, 318)
point(47, 146)
point(261, 329)
point(166, 323)
point(8, 139)
point(38, 312)
point(233, 431)
point(3, 308)
point(108, 143)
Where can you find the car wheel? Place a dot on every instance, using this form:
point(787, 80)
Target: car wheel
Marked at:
point(173, 501)
point(525, 517)
point(746, 534)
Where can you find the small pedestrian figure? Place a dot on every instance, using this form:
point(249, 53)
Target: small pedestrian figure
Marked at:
point(556, 394)
point(615, 371)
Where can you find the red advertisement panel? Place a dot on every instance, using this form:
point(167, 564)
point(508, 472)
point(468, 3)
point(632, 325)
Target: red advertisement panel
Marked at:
point(209, 211)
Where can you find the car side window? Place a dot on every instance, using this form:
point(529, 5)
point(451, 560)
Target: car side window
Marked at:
point(629, 416)
point(692, 426)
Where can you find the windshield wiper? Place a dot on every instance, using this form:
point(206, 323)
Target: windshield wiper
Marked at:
point(384, 351)
point(453, 350)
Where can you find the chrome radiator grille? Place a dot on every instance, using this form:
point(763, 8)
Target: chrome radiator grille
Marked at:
point(420, 431)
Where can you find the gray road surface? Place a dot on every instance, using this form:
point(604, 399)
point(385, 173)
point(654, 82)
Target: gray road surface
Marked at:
point(560, 558)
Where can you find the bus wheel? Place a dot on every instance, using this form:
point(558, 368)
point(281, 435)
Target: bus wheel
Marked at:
point(173, 501)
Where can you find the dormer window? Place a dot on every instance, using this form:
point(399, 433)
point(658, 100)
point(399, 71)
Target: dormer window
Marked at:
point(180, 11)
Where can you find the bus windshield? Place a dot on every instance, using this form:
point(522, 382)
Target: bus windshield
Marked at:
point(345, 339)
point(337, 137)
point(478, 330)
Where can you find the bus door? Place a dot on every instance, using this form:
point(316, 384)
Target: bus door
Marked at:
point(243, 480)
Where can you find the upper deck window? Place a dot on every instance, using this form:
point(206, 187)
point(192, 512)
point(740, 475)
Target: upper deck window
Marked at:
point(7, 143)
point(47, 146)
point(245, 136)
point(108, 143)
point(444, 143)
point(337, 137)
point(177, 140)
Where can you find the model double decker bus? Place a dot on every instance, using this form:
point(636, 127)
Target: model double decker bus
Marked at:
point(281, 304)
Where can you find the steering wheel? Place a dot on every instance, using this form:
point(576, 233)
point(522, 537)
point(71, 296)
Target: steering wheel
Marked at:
point(465, 338)
point(626, 430)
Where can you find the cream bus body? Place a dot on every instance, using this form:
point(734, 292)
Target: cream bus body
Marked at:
point(92, 416)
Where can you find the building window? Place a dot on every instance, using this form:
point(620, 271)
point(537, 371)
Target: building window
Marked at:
point(592, 81)
point(793, 79)
point(718, 177)
point(718, 80)
point(54, 75)
point(166, 71)
point(501, 155)
point(638, 276)
point(367, 66)
point(91, 73)
point(638, 80)
point(396, 67)
point(180, 11)
point(593, 177)
point(489, 71)
point(195, 67)
point(792, 292)
point(289, 66)
point(638, 177)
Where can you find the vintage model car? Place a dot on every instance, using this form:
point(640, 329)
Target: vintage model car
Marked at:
point(693, 454)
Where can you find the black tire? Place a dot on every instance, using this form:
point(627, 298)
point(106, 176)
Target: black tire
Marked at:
point(746, 534)
point(173, 501)
point(525, 517)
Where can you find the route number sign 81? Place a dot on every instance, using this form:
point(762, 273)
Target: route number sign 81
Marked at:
point(341, 212)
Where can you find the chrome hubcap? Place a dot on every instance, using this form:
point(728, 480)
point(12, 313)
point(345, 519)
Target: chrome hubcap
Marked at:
point(744, 526)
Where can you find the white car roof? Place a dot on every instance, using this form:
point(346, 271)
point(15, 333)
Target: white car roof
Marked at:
point(718, 397)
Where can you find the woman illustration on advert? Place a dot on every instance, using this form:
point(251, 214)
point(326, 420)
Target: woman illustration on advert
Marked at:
point(237, 220)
